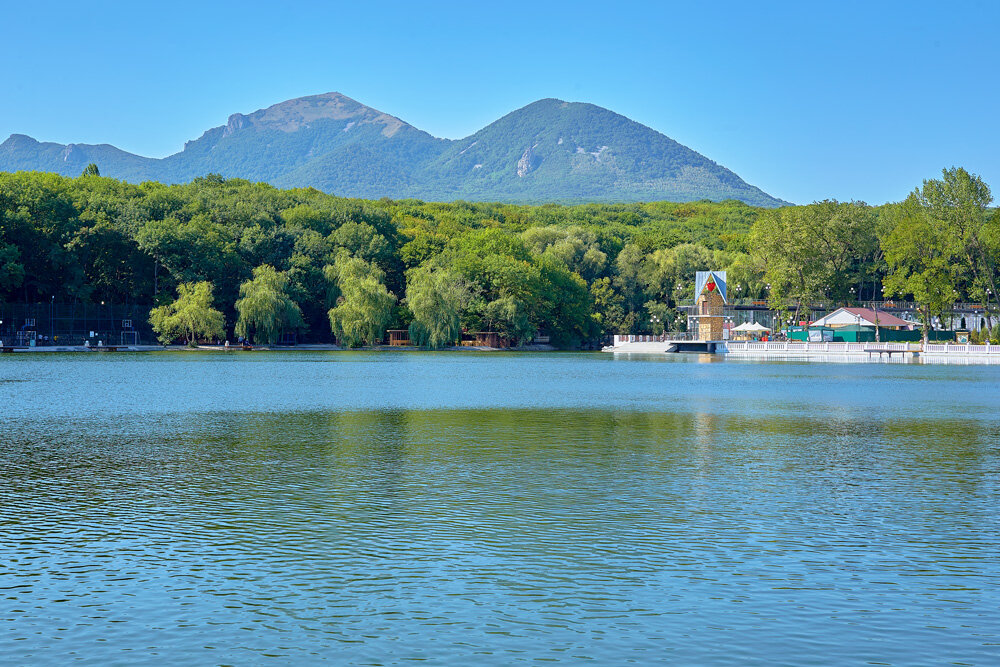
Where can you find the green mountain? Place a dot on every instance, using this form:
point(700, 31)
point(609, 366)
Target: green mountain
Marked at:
point(547, 151)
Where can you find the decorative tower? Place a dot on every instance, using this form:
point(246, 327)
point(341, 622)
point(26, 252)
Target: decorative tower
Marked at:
point(710, 299)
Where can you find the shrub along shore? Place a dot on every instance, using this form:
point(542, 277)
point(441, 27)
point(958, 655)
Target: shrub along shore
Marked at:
point(229, 259)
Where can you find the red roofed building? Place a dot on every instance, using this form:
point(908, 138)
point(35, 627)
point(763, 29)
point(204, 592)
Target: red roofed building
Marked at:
point(865, 317)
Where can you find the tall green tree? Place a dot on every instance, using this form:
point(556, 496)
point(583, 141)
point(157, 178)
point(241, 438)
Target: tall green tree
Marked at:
point(566, 311)
point(824, 250)
point(11, 270)
point(364, 307)
point(265, 307)
point(191, 315)
point(793, 261)
point(921, 254)
point(436, 298)
point(628, 282)
point(505, 279)
point(609, 309)
point(959, 202)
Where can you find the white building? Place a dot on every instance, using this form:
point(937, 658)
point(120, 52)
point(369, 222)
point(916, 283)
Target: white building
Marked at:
point(865, 317)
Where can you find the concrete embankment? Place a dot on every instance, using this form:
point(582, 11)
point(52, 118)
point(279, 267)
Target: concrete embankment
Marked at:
point(819, 351)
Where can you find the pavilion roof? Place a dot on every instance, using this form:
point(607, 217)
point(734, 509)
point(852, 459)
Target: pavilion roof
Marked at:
point(868, 317)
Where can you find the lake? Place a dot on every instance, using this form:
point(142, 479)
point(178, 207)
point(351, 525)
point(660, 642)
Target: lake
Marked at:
point(495, 509)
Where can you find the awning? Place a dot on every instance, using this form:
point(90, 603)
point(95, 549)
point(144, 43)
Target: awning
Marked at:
point(751, 327)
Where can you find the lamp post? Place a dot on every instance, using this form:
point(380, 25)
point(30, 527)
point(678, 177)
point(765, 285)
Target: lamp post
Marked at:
point(878, 337)
point(52, 321)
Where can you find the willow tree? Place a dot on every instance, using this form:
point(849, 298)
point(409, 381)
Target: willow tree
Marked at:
point(436, 298)
point(363, 308)
point(191, 315)
point(265, 308)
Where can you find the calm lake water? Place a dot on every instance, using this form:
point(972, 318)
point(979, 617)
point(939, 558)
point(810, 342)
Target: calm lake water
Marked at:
point(493, 508)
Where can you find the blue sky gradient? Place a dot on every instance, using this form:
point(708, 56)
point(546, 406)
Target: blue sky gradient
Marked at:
point(807, 100)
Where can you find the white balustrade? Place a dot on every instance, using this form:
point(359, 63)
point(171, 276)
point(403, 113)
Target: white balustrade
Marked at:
point(829, 347)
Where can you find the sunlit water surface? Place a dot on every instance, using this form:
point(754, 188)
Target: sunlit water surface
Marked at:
point(201, 508)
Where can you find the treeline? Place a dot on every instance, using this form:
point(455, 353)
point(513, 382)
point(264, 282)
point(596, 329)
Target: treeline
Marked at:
point(234, 258)
point(938, 246)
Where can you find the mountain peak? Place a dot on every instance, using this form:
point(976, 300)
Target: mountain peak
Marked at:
point(302, 112)
point(548, 150)
point(19, 139)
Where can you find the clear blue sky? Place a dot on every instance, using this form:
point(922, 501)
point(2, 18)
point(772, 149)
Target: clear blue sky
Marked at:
point(807, 100)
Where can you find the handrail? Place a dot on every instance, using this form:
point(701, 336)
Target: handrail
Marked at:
point(861, 348)
point(833, 305)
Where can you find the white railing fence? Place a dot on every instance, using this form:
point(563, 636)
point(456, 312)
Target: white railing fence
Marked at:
point(962, 348)
point(621, 339)
point(861, 348)
point(803, 347)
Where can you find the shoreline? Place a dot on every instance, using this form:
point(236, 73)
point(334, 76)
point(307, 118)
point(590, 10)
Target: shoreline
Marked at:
point(963, 353)
point(316, 347)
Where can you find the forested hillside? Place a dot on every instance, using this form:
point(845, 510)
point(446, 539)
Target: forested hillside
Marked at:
point(355, 267)
point(547, 151)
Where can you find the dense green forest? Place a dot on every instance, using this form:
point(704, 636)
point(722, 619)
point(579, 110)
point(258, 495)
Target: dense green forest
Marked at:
point(234, 258)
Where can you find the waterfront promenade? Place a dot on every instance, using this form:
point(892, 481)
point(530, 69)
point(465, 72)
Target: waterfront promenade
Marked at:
point(647, 344)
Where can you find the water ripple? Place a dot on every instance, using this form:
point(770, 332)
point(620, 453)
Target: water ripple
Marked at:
point(804, 529)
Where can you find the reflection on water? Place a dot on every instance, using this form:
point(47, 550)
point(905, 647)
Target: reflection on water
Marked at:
point(638, 511)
